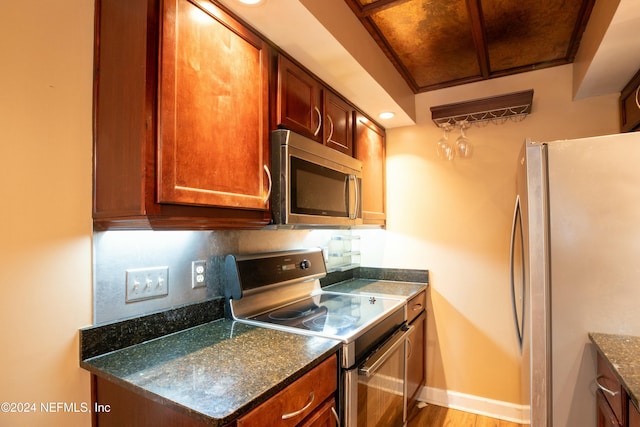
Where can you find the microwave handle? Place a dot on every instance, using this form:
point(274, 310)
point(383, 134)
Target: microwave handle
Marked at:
point(354, 215)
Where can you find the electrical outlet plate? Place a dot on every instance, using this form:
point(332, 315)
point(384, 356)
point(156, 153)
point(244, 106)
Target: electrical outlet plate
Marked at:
point(198, 274)
point(147, 283)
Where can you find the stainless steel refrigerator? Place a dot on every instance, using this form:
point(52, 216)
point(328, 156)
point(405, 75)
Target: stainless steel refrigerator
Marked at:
point(575, 267)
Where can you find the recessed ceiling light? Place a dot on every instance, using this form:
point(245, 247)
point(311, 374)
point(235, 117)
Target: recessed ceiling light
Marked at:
point(251, 2)
point(387, 115)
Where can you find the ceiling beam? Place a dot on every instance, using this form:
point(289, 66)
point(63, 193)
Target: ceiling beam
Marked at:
point(479, 37)
point(379, 5)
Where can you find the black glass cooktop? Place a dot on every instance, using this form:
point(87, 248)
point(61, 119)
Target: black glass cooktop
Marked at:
point(331, 315)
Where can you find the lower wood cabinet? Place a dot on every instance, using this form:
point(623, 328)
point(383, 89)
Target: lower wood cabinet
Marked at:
point(614, 409)
point(416, 340)
point(128, 409)
point(634, 416)
point(605, 416)
point(307, 402)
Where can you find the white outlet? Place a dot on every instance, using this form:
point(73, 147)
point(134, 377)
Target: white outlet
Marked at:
point(198, 274)
point(147, 283)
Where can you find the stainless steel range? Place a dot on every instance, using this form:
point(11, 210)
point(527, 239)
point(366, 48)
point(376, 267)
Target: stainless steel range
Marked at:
point(282, 290)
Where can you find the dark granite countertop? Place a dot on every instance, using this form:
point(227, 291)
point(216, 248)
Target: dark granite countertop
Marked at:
point(378, 287)
point(623, 354)
point(216, 371)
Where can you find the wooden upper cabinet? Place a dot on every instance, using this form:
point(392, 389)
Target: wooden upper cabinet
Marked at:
point(306, 106)
point(181, 103)
point(370, 150)
point(338, 123)
point(213, 110)
point(630, 105)
point(299, 104)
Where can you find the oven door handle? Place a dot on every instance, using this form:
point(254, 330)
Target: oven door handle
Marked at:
point(383, 353)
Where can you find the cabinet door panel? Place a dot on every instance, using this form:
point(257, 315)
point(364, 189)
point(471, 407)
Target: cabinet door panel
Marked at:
point(370, 150)
point(338, 129)
point(299, 100)
point(322, 417)
point(634, 416)
point(416, 366)
point(213, 134)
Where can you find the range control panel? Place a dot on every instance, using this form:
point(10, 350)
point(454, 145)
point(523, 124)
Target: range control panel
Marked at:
point(255, 271)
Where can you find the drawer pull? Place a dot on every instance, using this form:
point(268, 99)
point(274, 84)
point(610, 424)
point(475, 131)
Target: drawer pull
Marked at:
point(638, 100)
point(417, 307)
point(603, 388)
point(299, 411)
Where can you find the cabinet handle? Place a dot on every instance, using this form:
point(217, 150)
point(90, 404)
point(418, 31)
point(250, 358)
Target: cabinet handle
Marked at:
point(335, 415)
point(319, 121)
point(410, 348)
point(417, 307)
point(268, 172)
point(638, 100)
point(299, 411)
point(603, 388)
point(331, 126)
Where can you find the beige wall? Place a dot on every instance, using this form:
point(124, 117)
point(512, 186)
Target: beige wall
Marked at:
point(45, 219)
point(454, 218)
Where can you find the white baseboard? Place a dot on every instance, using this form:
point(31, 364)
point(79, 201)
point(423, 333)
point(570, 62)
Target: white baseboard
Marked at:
point(512, 412)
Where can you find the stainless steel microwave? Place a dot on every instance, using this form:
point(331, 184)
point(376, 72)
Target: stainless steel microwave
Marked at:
point(313, 185)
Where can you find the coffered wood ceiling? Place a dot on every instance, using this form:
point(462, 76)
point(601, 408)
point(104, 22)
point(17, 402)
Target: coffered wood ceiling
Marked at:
point(442, 43)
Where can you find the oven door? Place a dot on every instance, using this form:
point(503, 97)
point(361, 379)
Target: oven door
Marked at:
point(375, 390)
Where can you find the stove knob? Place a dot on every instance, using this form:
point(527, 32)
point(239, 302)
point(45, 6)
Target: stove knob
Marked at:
point(305, 264)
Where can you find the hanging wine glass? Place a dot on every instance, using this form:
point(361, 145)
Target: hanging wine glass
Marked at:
point(463, 145)
point(444, 148)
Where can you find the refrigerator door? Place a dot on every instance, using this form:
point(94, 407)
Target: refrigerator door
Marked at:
point(532, 188)
point(594, 211)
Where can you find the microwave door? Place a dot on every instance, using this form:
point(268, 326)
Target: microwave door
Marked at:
point(319, 194)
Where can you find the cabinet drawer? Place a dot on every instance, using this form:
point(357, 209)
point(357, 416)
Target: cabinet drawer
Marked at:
point(615, 396)
point(416, 305)
point(294, 403)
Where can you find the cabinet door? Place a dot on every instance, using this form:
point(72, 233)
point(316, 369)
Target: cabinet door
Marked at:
point(370, 150)
point(604, 414)
point(322, 417)
point(299, 104)
point(630, 105)
point(338, 123)
point(416, 371)
point(213, 109)
point(634, 416)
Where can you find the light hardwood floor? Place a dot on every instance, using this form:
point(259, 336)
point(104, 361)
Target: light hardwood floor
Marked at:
point(437, 416)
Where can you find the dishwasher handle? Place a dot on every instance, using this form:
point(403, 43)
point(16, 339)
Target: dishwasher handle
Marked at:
point(383, 353)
